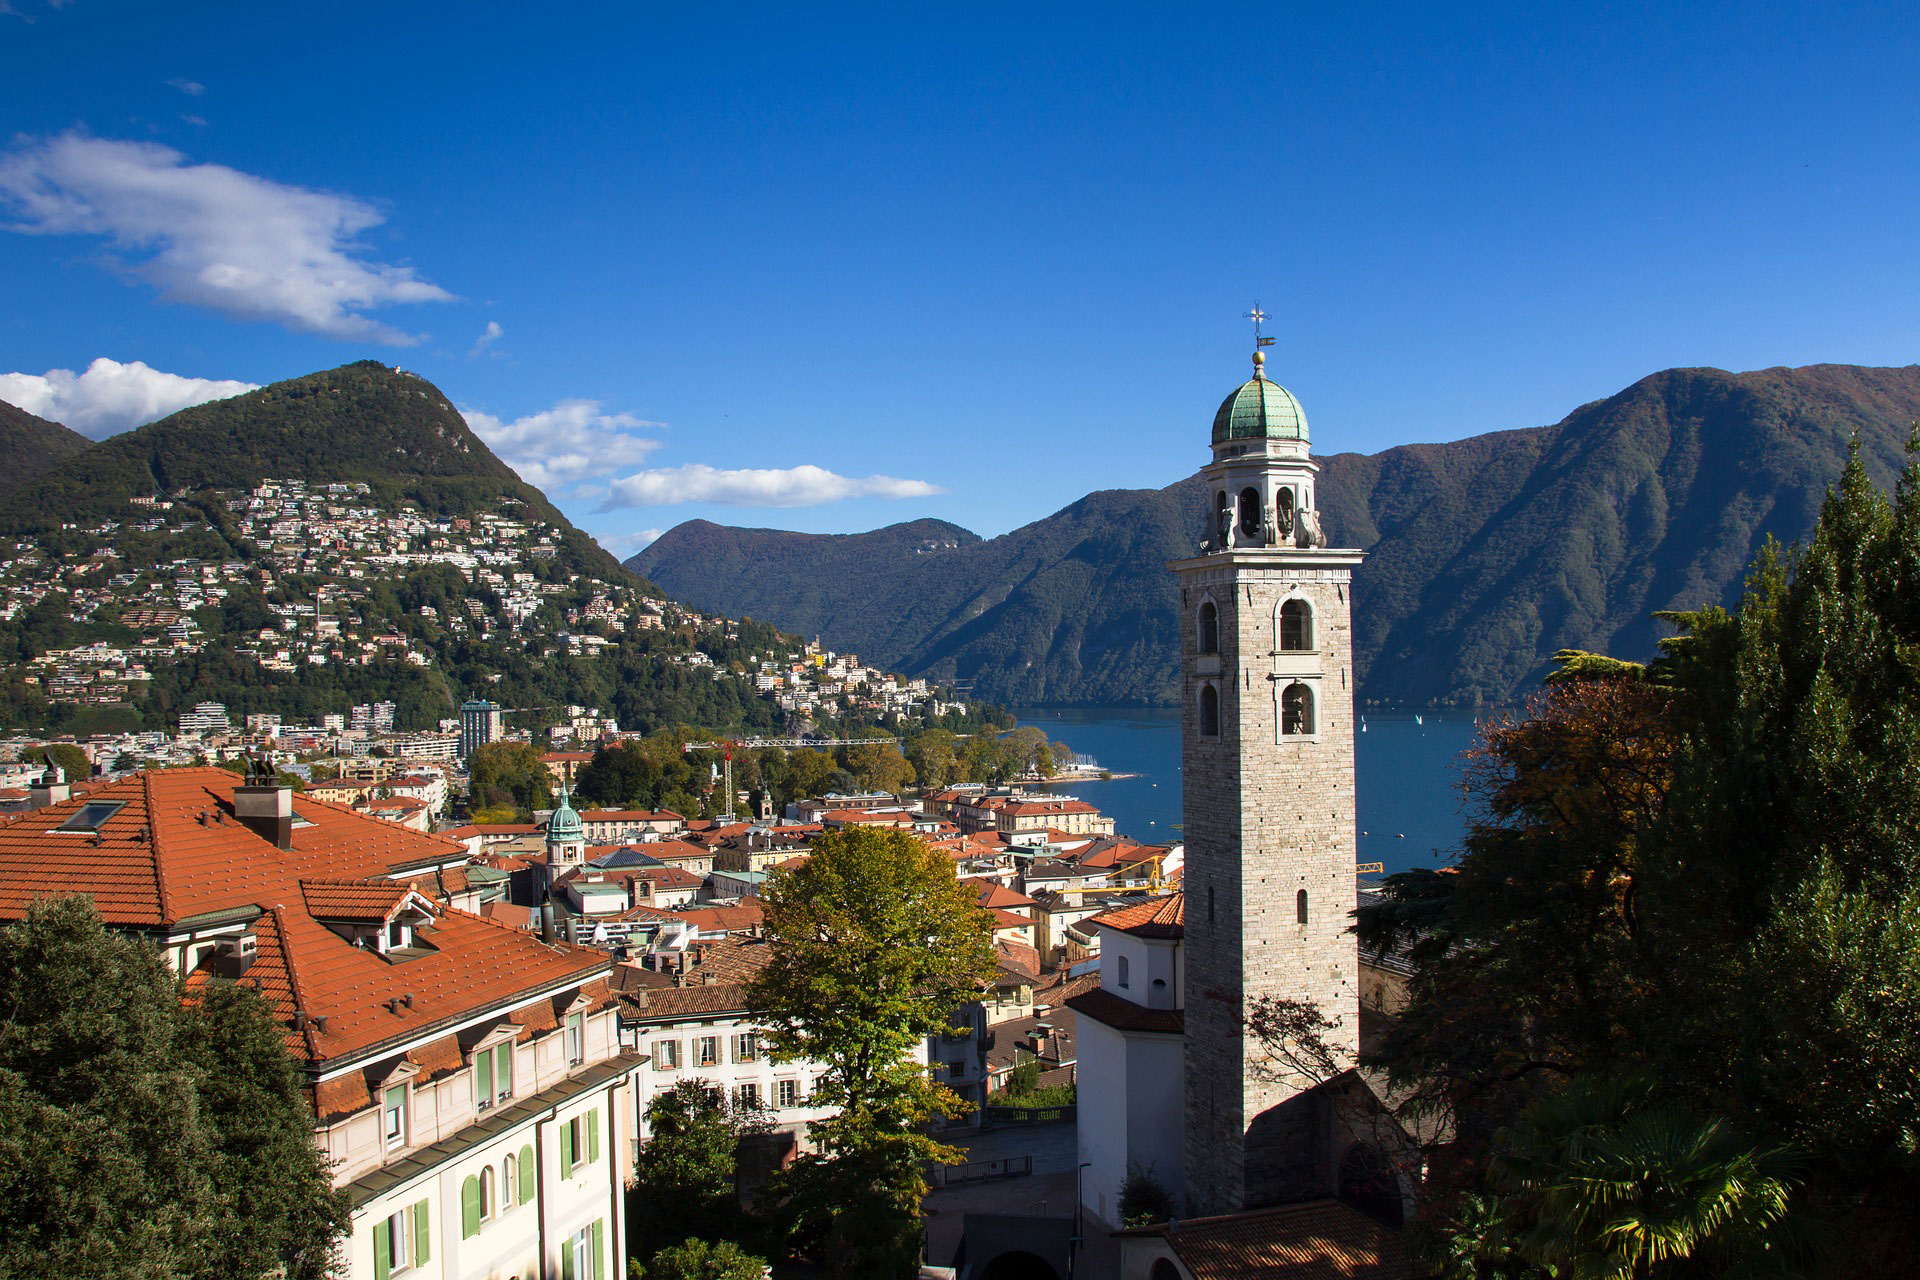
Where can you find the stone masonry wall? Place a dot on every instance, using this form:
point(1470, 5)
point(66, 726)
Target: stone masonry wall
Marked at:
point(1266, 816)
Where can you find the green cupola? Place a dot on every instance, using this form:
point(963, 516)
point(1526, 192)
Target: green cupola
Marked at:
point(1259, 409)
point(564, 826)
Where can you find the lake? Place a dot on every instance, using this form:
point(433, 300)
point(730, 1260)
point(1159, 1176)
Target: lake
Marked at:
point(1407, 789)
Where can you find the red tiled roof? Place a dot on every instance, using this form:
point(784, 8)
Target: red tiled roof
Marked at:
point(1155, 918)
point(1317, 1240)
point(731, 919)
point(630, 815)
point(360, 901)
point(175, 850)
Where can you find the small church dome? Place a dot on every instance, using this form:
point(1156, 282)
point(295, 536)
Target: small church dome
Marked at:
point(1260, 410)
point(565, 824)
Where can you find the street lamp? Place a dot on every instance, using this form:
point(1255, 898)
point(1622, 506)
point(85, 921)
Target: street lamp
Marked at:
point(1079, 1212)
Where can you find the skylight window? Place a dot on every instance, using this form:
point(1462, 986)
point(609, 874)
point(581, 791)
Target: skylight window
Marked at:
point(92, 815)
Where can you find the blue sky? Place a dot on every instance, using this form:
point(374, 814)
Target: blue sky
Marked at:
point(834, 268)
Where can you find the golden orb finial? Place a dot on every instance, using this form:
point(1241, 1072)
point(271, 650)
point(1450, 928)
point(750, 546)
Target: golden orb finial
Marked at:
point(1259, 358)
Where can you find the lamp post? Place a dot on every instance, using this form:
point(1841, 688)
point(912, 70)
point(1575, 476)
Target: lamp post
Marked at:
point(1079, 1213)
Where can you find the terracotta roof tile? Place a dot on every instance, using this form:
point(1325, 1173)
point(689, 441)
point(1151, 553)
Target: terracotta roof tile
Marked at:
point(356, 901)
point(1155, 918)
point(1317, 1240)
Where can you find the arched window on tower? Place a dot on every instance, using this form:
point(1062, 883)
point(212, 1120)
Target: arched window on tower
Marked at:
point(1209, 628)
point(1250, 515)
point(1296, 626)
point(1123, 971)
point(1209, 711)
point(1300, 906)
point(1296, 710)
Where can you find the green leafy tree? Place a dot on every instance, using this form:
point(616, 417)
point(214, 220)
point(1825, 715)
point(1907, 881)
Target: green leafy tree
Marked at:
point(1601, 1180)
point(509, 773)
point(879, 767)
point(1143, 1198)
point(138, 1137)
point(874, 943)
point(934, 757)
point(698, 1260)
point(684, 1181)
point(72, 761)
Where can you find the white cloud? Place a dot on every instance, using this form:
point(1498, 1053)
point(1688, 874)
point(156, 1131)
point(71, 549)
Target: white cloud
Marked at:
point(111, 396)
point(214, 237)
point(566, 445)
point(804, 486)
point(627, 544)
point(488, 336)
point(192, 88)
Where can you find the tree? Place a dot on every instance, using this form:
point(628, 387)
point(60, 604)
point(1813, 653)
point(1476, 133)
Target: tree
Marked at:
point(72, 761)
point(139, 1137)
point(698, 1260)
point(933, 757)
point(1702, 872)
point(508, 773)
point(683, 1183)
point(874, 943)
point(1599, 1179)
point(1143, 1199)
point(879, 767)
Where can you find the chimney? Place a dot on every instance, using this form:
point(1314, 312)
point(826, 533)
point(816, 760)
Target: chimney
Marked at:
point(546, 918)
point(52, 788)
point(708, 978)
point(232, 957)
point(267, 811)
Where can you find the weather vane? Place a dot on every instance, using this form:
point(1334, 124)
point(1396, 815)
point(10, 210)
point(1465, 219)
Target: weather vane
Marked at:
point(1257, 316)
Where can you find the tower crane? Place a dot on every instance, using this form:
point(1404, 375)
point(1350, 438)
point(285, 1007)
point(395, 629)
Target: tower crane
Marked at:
point(727, 746)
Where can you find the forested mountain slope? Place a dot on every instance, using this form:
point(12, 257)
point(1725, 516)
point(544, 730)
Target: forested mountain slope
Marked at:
point(1485, 555)
point(32, 445)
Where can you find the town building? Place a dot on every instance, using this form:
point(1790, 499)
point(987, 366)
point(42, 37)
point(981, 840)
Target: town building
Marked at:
point(481, 722)
point(466, 1076)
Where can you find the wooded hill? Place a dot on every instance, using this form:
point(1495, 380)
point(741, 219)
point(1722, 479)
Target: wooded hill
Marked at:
point(1485, 555)
point(361, 422)
point(31, 446)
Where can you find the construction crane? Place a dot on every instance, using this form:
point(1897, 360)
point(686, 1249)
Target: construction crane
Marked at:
point(727, 746)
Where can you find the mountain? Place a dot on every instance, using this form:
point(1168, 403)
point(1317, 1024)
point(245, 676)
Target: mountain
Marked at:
point(363, 422)
point(1485, 555)
point(32, 445)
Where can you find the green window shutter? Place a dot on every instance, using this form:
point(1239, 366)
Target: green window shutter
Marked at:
point(470, 1208)
point(593, 1135)
point(566, 1150)
point(599, 1249)
point(421, 1231)
point(504, 1058)
point(566, 1260)
point(382, 1250)
point(527, 1173)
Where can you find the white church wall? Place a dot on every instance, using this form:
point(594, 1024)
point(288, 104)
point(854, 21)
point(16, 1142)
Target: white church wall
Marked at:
point(1104, 1111)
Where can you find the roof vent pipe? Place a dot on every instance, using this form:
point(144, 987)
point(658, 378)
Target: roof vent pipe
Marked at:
point(546, 918)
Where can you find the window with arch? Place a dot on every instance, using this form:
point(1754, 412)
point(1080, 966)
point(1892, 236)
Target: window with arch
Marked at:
point(509, 1169)
point(1296, 626)
point(1250, 520)
point(488, 1201)
point(1296, 710)
point(1300, 906)
point(1209, 711)
point(1283, 512)
point(1123, 972)
point(1209, 627)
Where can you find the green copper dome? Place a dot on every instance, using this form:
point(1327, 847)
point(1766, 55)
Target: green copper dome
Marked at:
point(564, 825)
point(1260, 410)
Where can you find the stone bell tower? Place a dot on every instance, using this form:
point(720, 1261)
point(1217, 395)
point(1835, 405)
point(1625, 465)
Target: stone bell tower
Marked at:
point(1267, 750)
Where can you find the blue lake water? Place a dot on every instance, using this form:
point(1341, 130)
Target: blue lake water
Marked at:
point(1407, 786)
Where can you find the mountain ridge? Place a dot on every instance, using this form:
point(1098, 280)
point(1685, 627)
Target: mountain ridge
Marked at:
point(360, 422)
point(32, 446)
point(1485, 555)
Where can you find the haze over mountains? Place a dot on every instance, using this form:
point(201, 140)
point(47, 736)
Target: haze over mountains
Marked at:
point(1485, 555)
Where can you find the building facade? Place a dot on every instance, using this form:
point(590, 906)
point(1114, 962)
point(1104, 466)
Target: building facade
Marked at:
point(1267, 755)
point(481, 722)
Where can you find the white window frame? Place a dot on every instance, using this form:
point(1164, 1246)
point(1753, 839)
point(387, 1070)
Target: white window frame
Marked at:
point(400, 1241)
point(707, 1051)
point(746, 1046)
point(576, 1039)
point(666, 1055)
point(394, 1141)
point(786, 1093)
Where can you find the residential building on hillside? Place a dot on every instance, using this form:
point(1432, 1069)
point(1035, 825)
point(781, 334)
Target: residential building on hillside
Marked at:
point(481, 722)
point(466, 1076)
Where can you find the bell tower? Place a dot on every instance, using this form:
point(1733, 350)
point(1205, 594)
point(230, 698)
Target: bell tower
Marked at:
point(1267, 751)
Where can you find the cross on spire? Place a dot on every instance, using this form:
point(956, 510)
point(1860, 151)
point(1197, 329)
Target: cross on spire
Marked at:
point(1258, 317)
